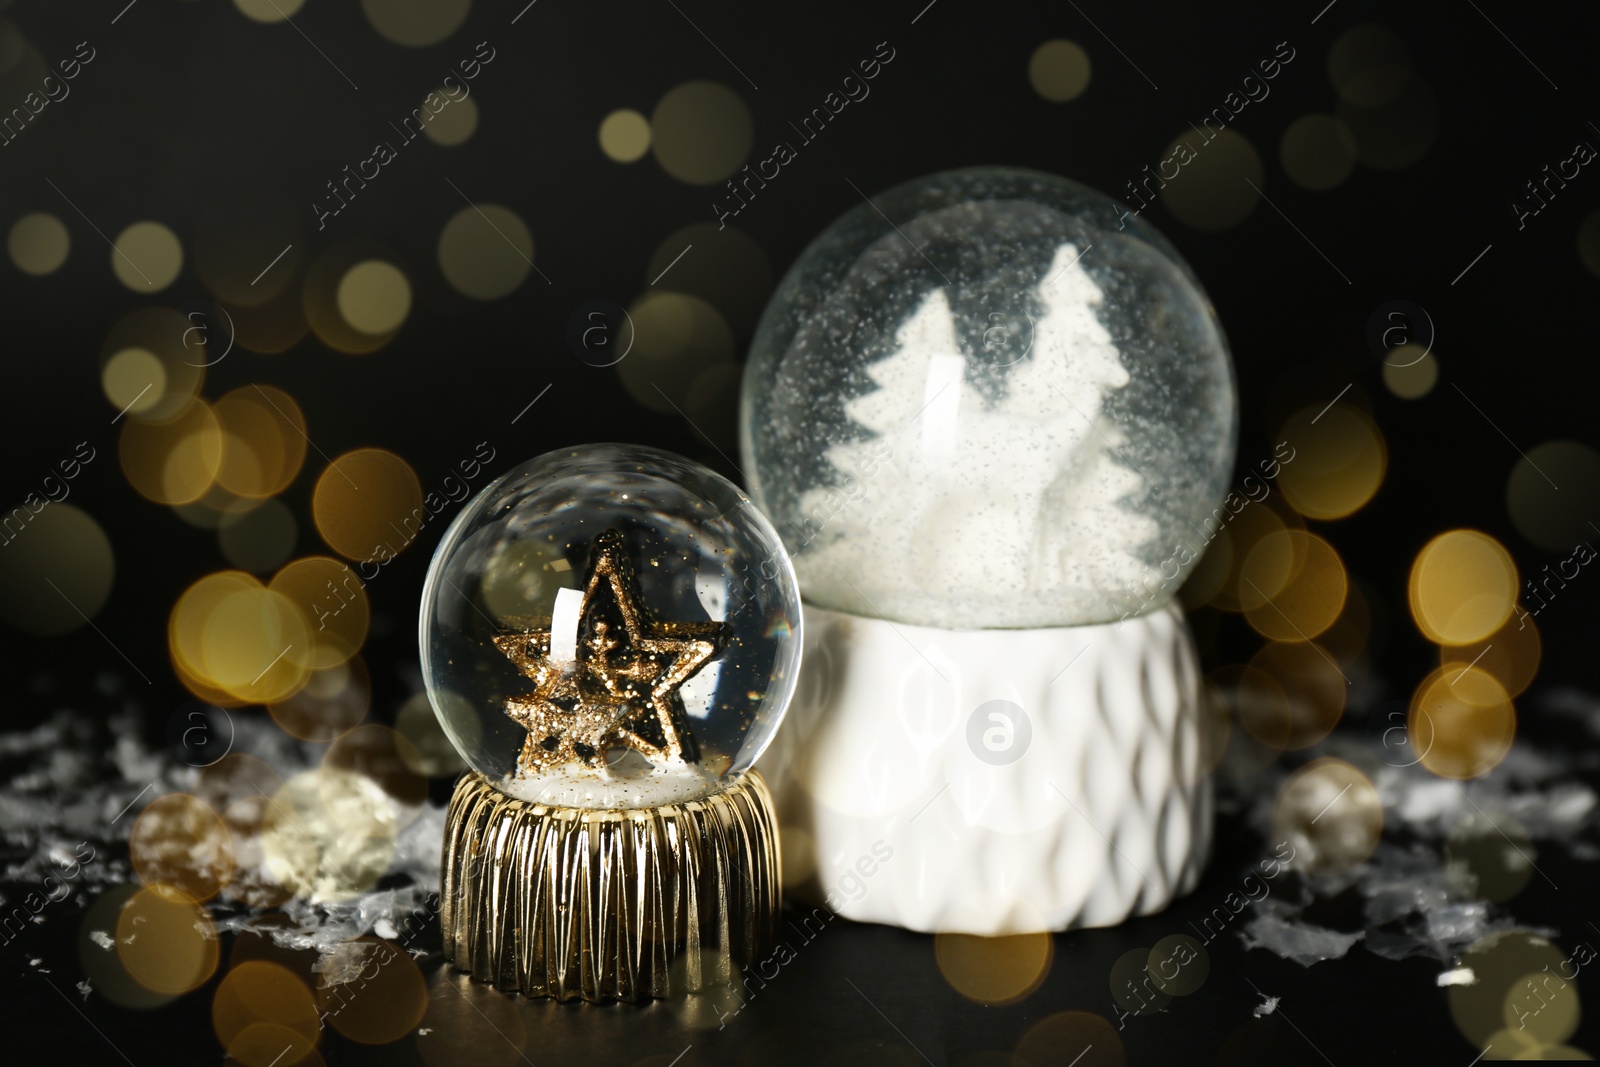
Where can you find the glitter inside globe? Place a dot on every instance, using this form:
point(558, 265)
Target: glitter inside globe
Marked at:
point(610, 626)
point(990, 399)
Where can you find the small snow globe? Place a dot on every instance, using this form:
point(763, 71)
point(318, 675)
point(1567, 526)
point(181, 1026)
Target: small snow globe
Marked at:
point(611, 626)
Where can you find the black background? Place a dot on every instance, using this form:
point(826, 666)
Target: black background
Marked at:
point(186, 103)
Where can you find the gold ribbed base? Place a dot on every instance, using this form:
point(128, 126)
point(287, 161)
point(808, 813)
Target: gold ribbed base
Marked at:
point(609, 905)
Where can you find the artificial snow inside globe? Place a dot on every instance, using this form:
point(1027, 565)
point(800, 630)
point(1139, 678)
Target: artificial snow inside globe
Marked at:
point(990, 414)
point(610, 636)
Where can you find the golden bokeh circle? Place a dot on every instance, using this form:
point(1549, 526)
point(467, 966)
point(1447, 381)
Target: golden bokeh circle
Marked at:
point(171, 338)
point(1314, 687)
point(134, 380)
point(1557, 520)
point(1132, 985)
point(146, 257)
point(56, 571)
point(625, 136)
point(332, 701)
point(1511, 654)
point(676, 337)
point(320, 299)
point(1179, 965)
point(260, 991)
point(485, 251)
point(267, 11)
point(1410, 372)
point(701, 132)
point(1218, 187)
point(1498, 963)
point(455, 124)
point(1317, 152)
point(236, 778)
point(1369, 65)
point(385, 997)
point(994, 970)
point(246, 645)
point(176, 461)
point(38, 243)
point(1331, 814)
point(264, 441)
point(1235, 537)
point(166, 943)
point(1309, 600)
point(1463, 587)
point(333, 601)
point(1339, 461)
point(186, 626)
point(1492, 857)
point(259, 540)
point(383, 756)
point(416, 23)
point(1059, 70)
point(97, 953)
point(272, 1045)
point(374, 297)
point(179, 844)
point(367, 505)
point(721, 265)
point(1071, 1033)
point(1461, 722)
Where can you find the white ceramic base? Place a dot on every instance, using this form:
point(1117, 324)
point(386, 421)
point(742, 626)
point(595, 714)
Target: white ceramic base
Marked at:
point(1082, 804)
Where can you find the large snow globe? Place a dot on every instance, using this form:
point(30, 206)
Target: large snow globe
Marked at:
point(991, 412)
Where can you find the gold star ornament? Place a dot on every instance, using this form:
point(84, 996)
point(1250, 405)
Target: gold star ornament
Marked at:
point(620, 686)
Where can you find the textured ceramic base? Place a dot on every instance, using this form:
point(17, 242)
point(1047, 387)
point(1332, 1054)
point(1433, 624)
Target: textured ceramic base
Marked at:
point(608, 905)
point(1016, 780)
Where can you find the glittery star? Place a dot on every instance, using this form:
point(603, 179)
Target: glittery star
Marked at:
point(623, 686)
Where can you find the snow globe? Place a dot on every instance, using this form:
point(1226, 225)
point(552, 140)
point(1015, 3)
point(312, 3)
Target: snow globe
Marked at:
point(990, 413)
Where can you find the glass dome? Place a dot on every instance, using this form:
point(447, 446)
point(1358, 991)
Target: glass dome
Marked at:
point(610, 626)
point(988, 399)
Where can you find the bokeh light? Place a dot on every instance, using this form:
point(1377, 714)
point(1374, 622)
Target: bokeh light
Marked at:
point(264, 441)
point(721, 265)
point(332, 701)
point(1410, 372)
point(1463, 587)
point(1511, 654)
point(1178, 965)
point(1217, 188)
point(1557, 520)
point(174, 340)
point(1317, 152)
point(625, 136)
point(1071, 1033)
point(323, 294)
point(146, 257)
point(485, 251)
point(97, 953)
point(1490, 856)
point(1311, 586)
point(676, 339)
point(134, 380)
point(416, 23)
point(180, 845)
point(230, 638)
point(176, 461)
point(167, 944)
point(382, 756)
point(701, 132)
point(1331, 814)
point(1499, 963)
point(1059, 70)
point(1461, 722)
point(328, 835)
point(38, 243)
point(455, 124)
point(993, 970)
point(1314, 689)
point(267, 11)
point(428, 750)
point(333, 601)
point(56, 569)
point(1369, 65)
point(374, 994)
point(259, 991)
point(374, 297)
point(1339, 461)
point(367, 505)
